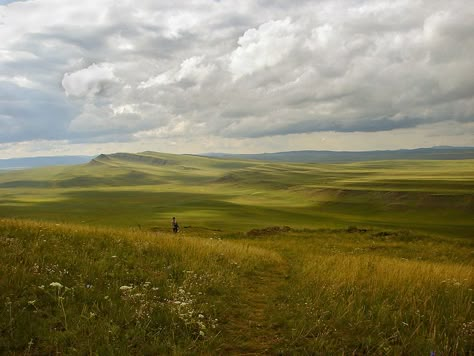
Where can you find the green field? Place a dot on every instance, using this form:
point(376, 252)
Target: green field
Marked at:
point(205, 193)
point(272, 258)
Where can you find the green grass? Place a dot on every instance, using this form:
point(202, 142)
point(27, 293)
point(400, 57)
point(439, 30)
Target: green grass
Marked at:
point(122, 291)
point(373, 292)
point(400, 283)
point(147, 189)
point(76, 289)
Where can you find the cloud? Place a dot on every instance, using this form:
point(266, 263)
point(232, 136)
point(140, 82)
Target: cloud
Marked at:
point(20, 81)
point(93, 71)
point(192, 71)
point(263, 47)
point(32, 113)
point(88, 81)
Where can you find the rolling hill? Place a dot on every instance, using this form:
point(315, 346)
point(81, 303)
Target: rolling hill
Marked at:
point(434, 153)
point(234, 194)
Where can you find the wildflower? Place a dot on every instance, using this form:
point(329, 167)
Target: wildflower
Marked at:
point(41, 286)
point(126, 288)
point(56, 284)
point(200, 316)
point(106, 297)
point(114, 256)
point(201, 333)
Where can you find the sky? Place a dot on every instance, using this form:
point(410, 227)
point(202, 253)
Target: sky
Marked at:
point(198, 76)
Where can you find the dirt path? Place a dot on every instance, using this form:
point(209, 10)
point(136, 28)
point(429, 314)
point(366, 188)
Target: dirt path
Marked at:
point(249, 329)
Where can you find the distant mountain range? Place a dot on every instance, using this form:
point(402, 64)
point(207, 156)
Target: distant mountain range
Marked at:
point(32, 162)
point(434, 153)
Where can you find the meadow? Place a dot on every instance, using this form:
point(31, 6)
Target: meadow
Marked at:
point(272, 258)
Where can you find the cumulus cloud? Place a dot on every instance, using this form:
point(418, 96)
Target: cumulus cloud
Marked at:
point(191, 71)
point(263, 47)
point(88, 81)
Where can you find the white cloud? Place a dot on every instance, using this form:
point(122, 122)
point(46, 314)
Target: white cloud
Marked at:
point(192, 70)
point(161, 79)
point(125, 109)
point(88, 81)
point(12, 56)
point(263, 47)
point(109, 120)
point(20, 81)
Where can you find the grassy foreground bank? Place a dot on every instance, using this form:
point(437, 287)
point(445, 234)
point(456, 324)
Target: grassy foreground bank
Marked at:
point(77, 289)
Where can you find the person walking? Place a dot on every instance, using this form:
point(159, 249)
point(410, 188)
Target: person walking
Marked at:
point(175, 225)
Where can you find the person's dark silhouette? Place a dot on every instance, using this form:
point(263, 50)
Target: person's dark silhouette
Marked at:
point(175, 225)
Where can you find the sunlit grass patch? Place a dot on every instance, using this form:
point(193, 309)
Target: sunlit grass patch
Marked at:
point(375, 304)
point(71, 287)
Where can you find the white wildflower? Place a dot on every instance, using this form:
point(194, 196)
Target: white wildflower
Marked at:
point(126, 288)
point(200, 316)
point(56, 284)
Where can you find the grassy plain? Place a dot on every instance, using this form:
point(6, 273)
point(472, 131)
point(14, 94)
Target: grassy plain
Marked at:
point(148, 189)
point(88, 264)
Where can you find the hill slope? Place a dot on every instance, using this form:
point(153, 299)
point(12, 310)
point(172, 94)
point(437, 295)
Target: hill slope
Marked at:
point(147, 189)
point(435, 153)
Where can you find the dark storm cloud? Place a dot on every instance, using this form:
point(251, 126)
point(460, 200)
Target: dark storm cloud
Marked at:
point(31, 113)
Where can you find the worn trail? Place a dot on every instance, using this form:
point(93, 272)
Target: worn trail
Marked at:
point(249, 329)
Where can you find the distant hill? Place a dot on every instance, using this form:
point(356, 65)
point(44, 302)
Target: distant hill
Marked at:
point(32, 162)
point(308, 156)
point(434, 153)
